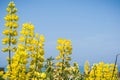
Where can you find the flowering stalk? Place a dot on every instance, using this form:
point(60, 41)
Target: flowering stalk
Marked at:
point(37, 57)
point(10, 31)
point(65, 48)
point(102, 71)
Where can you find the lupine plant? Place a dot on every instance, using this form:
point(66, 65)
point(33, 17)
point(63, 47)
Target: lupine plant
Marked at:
point(10, 32)
point(101, 71)
point(28, 61)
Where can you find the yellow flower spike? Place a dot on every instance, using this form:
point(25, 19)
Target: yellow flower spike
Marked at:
point(43, 75)
point(10, 25)
point(86, 67)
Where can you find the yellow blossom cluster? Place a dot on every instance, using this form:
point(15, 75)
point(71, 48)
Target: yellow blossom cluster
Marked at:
point(102, 71)
point(10, 40)
point(86, 67)
point(65, 49)
point(11, 24)
point(37, 56)
point(26, 37)
point(18, 65)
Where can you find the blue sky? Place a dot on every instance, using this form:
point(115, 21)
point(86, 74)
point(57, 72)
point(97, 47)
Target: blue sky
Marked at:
point(93, 26)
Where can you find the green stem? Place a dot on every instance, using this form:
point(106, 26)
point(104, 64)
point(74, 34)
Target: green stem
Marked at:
point(10, 52)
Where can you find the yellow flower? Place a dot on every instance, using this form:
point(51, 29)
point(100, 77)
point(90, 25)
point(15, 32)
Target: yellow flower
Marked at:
point(42, 38)
point(26, 33)
point(15, 33)
point(15, 25)
point(41, 58)
point(5, 40)
point(25, 25)
point(8, 9)
point(14, 41)
point(14, 10)
point(59, 41)
point(41, 44)
point(59, 48)
point(43, 75)
point(68, 58)
point(21, 46)
point(14, 49)
point(58, 64)
point(6, 24)
point(16, 18)
point(5, 49)
point(5, 32)
point(22, 39)
point(8, 17)
point(30, 48)
point(33, 41)
point(1, 73)
point(11, 4)
point(37, 35)
point(86, 67)
point(10, 24)
point(31, 27)
point(42, 52)
point(22, 32)
point(58, 58)
point(31, 33)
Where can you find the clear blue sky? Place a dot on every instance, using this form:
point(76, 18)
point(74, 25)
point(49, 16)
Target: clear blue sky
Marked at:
point(93, 26)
